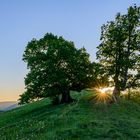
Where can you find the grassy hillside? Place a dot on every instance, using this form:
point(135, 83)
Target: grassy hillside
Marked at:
point(83, 120)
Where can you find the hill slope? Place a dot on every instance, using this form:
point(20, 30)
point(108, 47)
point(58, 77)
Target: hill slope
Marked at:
point(78, 121)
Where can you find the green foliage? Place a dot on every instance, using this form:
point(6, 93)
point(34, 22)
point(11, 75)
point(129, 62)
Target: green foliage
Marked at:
point(55, 100)
point(132, 95)
point(119, 50)
point(83, 120)
point(100, 77)
point(24, 98)
point(55, 67)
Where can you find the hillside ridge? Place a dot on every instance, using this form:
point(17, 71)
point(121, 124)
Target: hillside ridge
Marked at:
point(82, 120)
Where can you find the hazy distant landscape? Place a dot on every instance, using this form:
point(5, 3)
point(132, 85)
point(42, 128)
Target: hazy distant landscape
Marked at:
point(5, 106)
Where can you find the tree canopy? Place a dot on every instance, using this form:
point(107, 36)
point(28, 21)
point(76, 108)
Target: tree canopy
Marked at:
point(119, 50)
point(55, 66)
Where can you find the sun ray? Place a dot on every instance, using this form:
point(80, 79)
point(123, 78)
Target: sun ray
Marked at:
point(103, 95)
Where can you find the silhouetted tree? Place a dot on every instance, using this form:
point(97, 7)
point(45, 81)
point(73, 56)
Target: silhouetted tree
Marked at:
point(119, 50)
point(55, 67)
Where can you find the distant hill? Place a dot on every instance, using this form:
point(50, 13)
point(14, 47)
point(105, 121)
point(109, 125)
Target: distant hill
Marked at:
point(82, 120)
point(5, 106)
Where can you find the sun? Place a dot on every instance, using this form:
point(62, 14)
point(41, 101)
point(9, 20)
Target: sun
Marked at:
point(103, 90)
point(102, 94)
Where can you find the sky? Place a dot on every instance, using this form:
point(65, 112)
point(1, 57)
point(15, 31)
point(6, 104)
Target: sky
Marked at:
point(21, 20)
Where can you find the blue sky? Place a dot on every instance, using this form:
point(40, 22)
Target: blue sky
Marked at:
point(22, 20)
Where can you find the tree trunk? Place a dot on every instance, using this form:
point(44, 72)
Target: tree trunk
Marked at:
point(129, 94)
point(66, 98)
point(116, 94)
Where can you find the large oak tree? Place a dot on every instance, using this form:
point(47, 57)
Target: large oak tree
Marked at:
point(55, 66)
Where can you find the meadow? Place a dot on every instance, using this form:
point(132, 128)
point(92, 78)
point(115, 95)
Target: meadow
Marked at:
point(81, 120)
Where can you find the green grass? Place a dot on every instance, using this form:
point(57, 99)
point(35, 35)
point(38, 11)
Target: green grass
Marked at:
point(83, 120)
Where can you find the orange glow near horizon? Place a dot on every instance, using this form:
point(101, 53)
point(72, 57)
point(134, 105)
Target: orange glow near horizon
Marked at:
point(10, 94)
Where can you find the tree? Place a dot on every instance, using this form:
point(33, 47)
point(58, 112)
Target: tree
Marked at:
point(55, 67)
point(119, 50)
point(100, 77)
